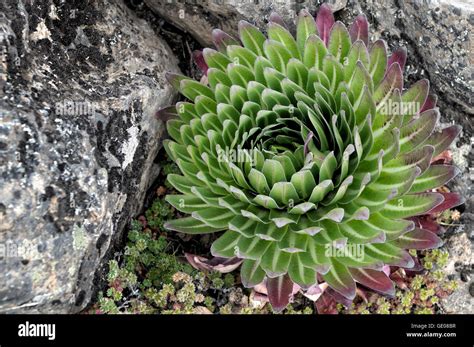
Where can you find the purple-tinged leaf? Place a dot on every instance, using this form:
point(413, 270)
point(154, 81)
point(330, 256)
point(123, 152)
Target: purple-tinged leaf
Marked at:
point(167, 113)
point(393, 80)
point(276, 18)
point(324, 22)
point(430, 103)
point(314, 289)
point(359, 30)
point(222, 265)
point(338, 297)
point(442, 140)
point(435, 176)
point(221, 40)
point(376, 280)
point(326, 304)
point(416, 269)
point(175, 79)
point(200, 62)
point(450, 200)
point(428, 223)
point(418, 239)
point(398, 56)
point(399, 278)
point(279, 291)
point(405, 260)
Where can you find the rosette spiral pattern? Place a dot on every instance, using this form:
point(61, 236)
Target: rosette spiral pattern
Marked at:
point(308, 155)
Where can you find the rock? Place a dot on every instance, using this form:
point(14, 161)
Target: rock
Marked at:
point(81, 82)
point(199, 20)
point(461, 260)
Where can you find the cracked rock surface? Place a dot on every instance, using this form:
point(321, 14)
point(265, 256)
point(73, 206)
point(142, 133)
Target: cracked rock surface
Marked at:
point(80, 83)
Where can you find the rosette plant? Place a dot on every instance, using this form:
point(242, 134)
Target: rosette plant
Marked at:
point(308, 156)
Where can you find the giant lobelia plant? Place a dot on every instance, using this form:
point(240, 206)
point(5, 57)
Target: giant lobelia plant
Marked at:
point(308, 155)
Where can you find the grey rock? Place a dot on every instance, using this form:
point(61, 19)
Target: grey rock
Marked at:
point(200, 18)
point(80, 84)
point(460, 255)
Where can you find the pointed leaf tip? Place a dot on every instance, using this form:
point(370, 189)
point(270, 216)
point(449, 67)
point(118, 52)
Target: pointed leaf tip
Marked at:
point(167, 113)
point(276, 18)
point(419, 239)
point(221, 40)
point(198, 58)
point(450, 200)
point(430, 103)
point(359, 30)
point(174, 79)
point(376, 280)
point(398, 56)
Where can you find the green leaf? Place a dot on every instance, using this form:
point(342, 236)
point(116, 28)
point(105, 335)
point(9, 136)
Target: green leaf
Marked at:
point(251, 273)
point(277, 54)
point(243, 225)
point(321, 190)
point(441, 140)
point(417, 131)
point(190, 225)
point(251, 248)
point(240, 74)
point(339, 41)
point(305, 26)
point(378, 61)
point(314, 52)
point(275, 262)
point(284, 193)
point(390, 254)
point(241, 56)
point(278, 33)
point(226, 245)
point(339, 279)
point(215, 59)
point(411, 205)
point(304, 183)
point(251, 37)
point(273, 171)
point(216, 76)
point(328, 167)
point(357, 53)
point(415, 97)
point(299, 274)
point(435, 176)
point(214, 217)
point(293, 242)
